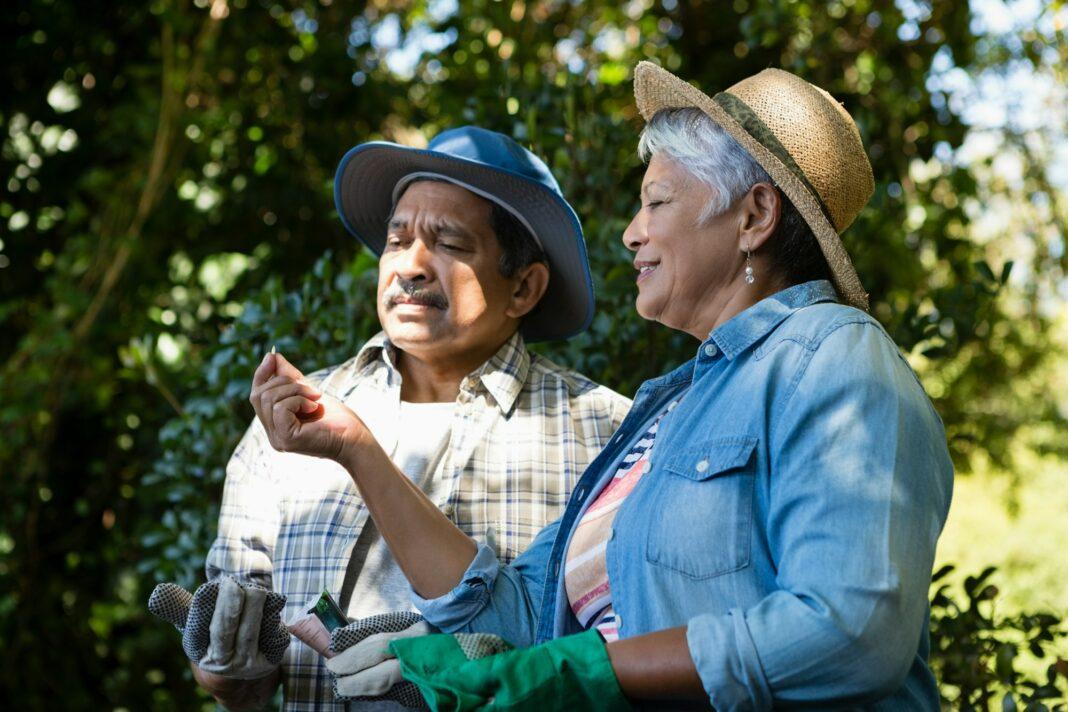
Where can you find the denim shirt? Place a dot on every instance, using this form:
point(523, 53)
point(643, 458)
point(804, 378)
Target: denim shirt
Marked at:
point(789, 518)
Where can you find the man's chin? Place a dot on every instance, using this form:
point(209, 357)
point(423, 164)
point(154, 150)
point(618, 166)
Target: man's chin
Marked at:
point(413, 333)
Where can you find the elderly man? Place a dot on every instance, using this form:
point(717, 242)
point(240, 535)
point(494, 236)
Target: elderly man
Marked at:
point(478, 253)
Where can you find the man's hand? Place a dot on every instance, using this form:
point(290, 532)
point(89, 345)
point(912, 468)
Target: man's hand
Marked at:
point(233, 636)
point(297, 416)
point(238, 695)
point(227, 629)
point(364, 669)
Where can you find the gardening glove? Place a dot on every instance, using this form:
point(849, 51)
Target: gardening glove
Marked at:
point(227, 628)
point(364, 669)
point(572, 672)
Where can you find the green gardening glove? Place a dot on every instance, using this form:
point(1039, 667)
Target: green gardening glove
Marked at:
point(572, 672)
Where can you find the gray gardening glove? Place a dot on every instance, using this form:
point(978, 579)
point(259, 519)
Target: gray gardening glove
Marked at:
point(227, 628)
point(364, 669)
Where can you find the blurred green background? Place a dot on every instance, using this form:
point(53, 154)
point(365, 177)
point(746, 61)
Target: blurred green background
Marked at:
point(166, 215)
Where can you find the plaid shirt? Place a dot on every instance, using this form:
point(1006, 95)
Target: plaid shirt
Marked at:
point(523, 431)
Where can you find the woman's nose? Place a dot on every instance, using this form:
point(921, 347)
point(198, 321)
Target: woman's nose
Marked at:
point(634, 235)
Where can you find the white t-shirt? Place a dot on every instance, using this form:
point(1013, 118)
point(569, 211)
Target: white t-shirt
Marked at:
point(380, 585)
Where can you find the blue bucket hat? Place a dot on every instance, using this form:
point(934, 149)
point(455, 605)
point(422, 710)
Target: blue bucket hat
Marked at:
point(493, 166)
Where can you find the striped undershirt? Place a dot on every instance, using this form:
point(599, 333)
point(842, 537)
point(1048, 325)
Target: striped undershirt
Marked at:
point(586, 572)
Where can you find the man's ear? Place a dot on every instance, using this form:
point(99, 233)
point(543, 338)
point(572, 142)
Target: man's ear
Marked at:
point(530, 285)
point(761, 208)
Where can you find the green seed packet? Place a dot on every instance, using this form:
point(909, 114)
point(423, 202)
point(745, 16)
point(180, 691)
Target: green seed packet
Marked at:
point(327, 611)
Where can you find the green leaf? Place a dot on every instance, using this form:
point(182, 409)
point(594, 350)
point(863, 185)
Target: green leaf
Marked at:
point(1006, 654)
point(1006, 269)
point(942, 572)
point(984, 269)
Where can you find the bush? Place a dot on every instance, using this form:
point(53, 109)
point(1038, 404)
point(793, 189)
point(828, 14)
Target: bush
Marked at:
point(976, 653)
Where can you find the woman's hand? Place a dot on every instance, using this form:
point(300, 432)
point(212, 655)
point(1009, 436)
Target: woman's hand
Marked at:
point(297, 416)
point(478, 671)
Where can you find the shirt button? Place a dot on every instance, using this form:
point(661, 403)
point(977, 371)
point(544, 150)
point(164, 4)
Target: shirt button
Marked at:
point(646, 467)
point(556, 569)
point(449, 510)
point(710, 350)
point(702, 466)
point(580, 494)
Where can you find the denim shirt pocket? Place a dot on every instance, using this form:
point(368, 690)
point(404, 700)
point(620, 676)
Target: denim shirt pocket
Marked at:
point(704, 503)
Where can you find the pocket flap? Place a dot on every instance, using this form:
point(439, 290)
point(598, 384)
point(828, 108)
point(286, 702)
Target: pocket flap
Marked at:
point(712, 457)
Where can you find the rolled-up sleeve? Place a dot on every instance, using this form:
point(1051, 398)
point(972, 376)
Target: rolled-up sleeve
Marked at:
point(860, 482)
point(495, 598)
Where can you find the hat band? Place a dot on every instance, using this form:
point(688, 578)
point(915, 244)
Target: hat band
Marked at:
point(762, 134)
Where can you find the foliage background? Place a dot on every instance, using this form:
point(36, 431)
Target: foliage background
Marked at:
point(166, 214)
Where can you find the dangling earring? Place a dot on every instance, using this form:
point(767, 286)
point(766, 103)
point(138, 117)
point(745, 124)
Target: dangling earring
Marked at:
point(749, 278)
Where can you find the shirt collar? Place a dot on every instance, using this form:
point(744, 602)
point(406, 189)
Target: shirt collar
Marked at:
point(756, 322)
point(377, 347)
point(503, 375)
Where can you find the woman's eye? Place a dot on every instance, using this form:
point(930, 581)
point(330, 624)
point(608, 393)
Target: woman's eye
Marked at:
point(654, 203)
point(452, 247)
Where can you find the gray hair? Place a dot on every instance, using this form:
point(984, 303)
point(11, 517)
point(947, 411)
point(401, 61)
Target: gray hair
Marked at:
point(706, 151)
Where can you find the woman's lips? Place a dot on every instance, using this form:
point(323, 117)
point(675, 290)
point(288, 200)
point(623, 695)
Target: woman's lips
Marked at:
point(644, 272)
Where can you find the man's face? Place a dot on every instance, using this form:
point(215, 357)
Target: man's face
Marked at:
point(440, 290)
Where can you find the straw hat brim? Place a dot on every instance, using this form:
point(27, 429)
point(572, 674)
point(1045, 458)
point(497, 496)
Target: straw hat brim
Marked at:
point(656, 89)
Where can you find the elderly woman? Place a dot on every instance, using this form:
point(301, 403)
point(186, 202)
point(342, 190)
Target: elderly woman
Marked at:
point(761, 530)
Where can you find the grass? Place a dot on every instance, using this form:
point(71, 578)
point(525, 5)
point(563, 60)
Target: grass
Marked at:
point(1020, 528)
point(1023, 530)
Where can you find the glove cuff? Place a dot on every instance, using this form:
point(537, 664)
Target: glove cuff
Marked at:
point(405, 694)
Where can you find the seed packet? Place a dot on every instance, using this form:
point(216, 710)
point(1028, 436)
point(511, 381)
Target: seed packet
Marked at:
point(327, 611)
point(313, 627)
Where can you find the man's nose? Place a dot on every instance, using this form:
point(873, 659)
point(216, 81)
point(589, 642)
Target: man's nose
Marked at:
point(415, 263)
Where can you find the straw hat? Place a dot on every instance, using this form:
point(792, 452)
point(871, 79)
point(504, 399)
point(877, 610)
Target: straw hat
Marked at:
point(800, 135)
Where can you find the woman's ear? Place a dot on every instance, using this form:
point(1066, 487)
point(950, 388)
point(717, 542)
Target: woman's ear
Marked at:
point(530, 285)
point(761, 208)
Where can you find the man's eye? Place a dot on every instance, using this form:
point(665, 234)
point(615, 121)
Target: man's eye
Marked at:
point(452, 247)
point(654, 203)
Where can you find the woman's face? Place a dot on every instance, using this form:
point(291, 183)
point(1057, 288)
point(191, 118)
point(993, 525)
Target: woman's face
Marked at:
point(687, 271)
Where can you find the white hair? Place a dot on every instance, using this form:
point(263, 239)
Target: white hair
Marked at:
point(703, 149)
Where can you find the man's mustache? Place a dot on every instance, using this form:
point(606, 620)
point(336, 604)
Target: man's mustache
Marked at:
point(411, 292)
